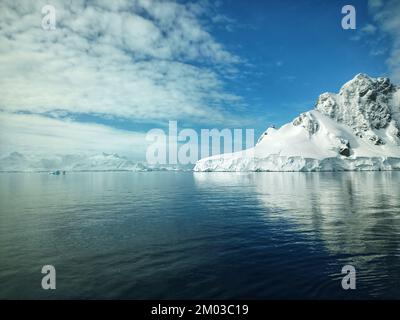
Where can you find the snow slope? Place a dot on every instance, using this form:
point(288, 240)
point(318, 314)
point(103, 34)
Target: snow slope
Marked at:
point(356, 129)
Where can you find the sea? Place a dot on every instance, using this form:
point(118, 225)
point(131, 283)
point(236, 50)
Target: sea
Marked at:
point(192, 235)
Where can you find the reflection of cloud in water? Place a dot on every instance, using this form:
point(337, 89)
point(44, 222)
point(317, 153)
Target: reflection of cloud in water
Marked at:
point(355, 214)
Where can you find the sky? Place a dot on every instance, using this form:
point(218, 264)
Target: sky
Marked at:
point(113, 70)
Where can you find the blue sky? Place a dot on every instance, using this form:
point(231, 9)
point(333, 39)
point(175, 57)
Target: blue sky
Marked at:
point(292, 51)
point(118, 69)
point(297, 50)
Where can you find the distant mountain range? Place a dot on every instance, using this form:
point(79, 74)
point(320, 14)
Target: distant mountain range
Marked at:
point(356, 129)
point(100, 162)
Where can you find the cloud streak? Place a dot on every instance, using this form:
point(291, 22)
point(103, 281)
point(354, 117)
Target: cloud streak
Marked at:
point(35, 134)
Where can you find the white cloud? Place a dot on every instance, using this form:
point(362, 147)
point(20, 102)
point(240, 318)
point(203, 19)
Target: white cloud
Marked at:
point(141, 59)
point(375, 3)
point(387, 14)
point(34, 134)
point(368, 29)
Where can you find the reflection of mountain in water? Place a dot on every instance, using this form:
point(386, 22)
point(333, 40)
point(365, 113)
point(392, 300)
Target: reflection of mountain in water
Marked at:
point(355, 215)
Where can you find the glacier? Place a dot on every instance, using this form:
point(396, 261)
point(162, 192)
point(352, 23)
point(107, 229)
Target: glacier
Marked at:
point(355, 129)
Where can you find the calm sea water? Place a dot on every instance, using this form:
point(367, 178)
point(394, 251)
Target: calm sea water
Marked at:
point(200, 235)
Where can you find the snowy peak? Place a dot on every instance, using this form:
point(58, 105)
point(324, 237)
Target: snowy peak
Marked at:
point(308, 122)
point(13, 161)
point(366, 105)
point(355, 129)
point(364, 83)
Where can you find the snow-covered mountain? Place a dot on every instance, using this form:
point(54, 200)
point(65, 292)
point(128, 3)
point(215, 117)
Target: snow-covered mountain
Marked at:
point(99, 162)
point(17, 162)
point(356, 129)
